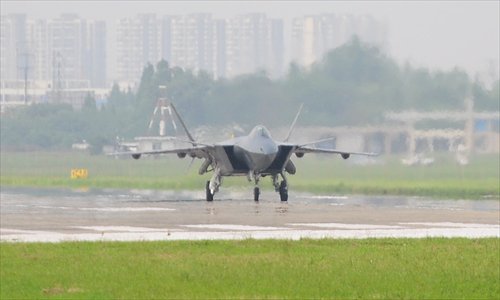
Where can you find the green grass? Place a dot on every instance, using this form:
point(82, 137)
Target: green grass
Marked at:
point(377, 268)
point(317, 174)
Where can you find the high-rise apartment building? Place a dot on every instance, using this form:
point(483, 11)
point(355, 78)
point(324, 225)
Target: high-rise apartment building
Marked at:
point(14, 49)
point(71, 48)
point(66, 47)
point(59, 49)
point(223, 48)
point(219, 50)
point(95, 53)
point(254, 43)
point(189, 41)
point(39, 49)
point(277, 48)
point(313, 36)
point(137, 43)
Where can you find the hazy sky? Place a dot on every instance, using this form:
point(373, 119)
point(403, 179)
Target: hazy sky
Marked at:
point(439, 35)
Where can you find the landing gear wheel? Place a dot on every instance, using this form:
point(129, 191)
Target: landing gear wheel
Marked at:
point(283, 191)
point(256, 193)
point(210, 196)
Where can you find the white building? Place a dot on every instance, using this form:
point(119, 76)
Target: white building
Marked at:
point(254, 43)
point(189, 41)
point(313, 36)
point(137, 43)
point(223, 48)
point(57, 60)
point(63, 48)
point(14, 54)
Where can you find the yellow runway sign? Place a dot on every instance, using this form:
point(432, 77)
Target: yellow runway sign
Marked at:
point(79, 173)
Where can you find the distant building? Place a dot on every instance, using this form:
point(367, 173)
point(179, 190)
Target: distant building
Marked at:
point(277, 48)
point(63, 48)
point(72, 48)
point(137, 43)
point(57, 60)
point(313, 36)
point(219, 51)
point(13, 46)
point(223, 48)
point(254, 43)
point(95, 53)
point(72, 92)
point(189, 42)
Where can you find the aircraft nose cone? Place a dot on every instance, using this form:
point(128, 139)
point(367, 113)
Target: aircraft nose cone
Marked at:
point(268, 149)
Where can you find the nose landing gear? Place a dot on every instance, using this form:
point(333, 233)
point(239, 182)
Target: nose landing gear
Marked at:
point(256, 193)
point(210, 195)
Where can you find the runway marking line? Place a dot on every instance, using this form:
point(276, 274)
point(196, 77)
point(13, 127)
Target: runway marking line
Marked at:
point(124, 229)
point(234, 227)
point(452, 225)
point(126, 209)
point(238, 232)
point(345, 226)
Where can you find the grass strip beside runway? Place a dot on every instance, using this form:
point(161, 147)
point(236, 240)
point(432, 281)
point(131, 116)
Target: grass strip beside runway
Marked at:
point(373, 268)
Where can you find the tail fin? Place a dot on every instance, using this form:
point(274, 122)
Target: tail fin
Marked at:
point(293, 124)
point(190, 137)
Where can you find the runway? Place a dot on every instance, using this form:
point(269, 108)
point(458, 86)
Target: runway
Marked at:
point(56, 215)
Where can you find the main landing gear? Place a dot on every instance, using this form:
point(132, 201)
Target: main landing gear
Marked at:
point(281, 187)
point(283, 190)
point(212, 186)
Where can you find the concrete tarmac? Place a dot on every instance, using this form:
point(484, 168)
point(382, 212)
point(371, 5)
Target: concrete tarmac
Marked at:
point(55, 215)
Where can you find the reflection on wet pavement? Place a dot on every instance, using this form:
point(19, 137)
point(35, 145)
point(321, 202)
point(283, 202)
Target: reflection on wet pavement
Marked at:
point(106, 214)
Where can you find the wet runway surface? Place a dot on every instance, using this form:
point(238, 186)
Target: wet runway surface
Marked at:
point(54, 215)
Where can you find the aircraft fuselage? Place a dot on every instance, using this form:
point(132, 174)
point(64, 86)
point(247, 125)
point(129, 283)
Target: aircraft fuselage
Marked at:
point(255, 153)
point(258, 153)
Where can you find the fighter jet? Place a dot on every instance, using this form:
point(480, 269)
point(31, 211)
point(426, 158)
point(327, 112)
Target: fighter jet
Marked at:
point(255, 156)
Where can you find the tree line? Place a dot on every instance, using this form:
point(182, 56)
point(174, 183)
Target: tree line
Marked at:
point(354, 84)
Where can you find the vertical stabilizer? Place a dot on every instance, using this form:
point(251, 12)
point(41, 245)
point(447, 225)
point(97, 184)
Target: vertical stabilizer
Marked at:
point(293, 124)
point(182, 122)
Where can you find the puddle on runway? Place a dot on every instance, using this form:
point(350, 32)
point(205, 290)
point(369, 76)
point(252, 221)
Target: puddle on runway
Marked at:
point(54, 215)
point(236, 197)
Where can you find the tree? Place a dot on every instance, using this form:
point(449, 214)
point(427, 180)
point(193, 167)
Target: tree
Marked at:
point(89, 104)
point(353, 84)
point(147, 87)
point(163, 73)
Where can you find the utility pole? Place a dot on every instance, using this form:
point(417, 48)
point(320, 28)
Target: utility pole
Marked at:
point(23, 54)
point(469, 124)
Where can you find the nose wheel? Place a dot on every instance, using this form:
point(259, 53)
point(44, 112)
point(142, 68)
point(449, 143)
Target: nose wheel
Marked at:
point(210, 195)
point(256, 193)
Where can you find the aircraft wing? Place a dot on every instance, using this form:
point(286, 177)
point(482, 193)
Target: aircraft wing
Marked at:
point(344, 154)
point(199, 152)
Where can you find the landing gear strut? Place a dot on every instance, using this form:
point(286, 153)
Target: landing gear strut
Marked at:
point(213, 185)
point(256, 190)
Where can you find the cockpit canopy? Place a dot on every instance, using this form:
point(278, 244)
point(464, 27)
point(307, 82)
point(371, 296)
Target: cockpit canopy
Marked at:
point(260, 131)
